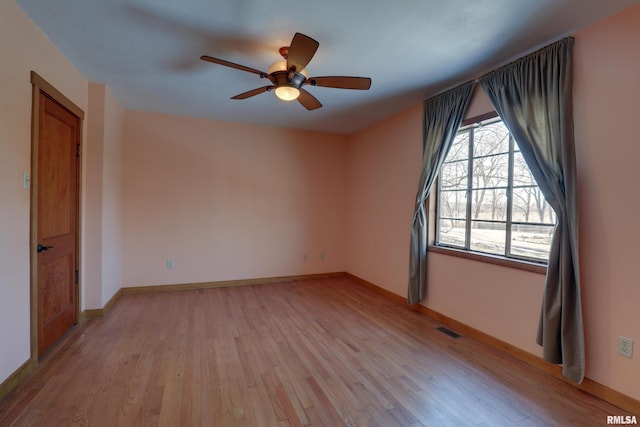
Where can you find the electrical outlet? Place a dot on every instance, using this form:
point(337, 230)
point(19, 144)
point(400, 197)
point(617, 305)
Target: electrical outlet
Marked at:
point(169, 263)
point(625, 346)
point(304, 257)
point(322, 256)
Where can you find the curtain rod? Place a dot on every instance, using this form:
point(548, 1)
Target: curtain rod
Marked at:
point(512, 59)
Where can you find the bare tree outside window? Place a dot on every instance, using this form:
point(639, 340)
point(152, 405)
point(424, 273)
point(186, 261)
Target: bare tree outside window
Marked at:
point(488, 201)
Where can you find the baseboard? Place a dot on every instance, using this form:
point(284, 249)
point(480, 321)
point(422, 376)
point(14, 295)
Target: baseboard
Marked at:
point(226, 283)
point(378, 289)
point(92, 314)
point(14, 379)
point(101, 312)
point(594, 388)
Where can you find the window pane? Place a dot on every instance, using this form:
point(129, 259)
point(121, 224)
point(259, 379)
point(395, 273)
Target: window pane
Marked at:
point(531, 241)
point(490, 139)
point(488, 237)
point(491, 171)
point(521, 173)
point(460, 147)
point(495, 198)
point(529, 205)
point(489, 204)
point(451, 233)
point(454, 175)
point(453, 204)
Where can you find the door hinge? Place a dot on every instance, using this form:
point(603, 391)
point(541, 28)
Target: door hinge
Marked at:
point(78, 150)
point(77, 277)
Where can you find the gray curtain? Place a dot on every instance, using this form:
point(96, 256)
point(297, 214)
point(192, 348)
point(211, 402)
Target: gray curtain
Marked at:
point(443, 115)
point(533, 96)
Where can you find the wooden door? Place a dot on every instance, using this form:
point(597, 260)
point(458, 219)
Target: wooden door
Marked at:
point(56, 216)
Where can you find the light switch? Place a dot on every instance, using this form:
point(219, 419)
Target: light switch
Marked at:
point(26, 180)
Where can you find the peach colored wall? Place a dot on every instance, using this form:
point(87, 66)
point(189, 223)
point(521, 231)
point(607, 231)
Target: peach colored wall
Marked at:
point(505, 302)
point(103, 176)
point(228, 201)
point(92, 218)
point(384, 167)
point(479, 104)
point(23, 48)
point(607, 111)
point(112, 198)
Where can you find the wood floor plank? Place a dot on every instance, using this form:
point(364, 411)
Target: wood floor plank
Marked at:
point(302, 353)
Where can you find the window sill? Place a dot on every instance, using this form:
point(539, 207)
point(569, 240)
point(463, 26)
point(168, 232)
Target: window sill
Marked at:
point(491, 259)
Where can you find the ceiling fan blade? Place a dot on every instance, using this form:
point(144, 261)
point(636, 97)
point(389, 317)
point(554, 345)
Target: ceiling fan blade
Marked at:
point(232, 65)
point(308, 101)
point(301, 51)
point(340, 82)
point(253, 92)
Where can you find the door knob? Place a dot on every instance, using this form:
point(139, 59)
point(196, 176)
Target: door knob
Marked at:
point(41, 248)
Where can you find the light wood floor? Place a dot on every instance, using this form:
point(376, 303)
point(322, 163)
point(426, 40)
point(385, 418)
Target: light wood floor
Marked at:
point(316, 352)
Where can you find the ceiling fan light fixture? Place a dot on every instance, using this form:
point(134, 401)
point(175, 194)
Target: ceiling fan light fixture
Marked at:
point(287, 93)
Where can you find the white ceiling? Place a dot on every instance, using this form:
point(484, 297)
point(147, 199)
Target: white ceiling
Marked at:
point(147, 51)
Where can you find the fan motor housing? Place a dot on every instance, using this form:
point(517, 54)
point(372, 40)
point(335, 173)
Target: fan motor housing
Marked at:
point(281, 78)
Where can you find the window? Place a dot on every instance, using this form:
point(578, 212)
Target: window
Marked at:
point(488, 201)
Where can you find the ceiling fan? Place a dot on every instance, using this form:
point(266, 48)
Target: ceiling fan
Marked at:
point(288, 76)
